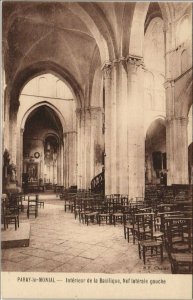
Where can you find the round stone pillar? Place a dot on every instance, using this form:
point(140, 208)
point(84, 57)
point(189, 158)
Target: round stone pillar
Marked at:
point(107, 71)
point(97, 146)
point(20, 156)
point(79, 148)
point(6, 120)
point(71, 157)
point(136, 139)
point(122, 116)
point(177, 149)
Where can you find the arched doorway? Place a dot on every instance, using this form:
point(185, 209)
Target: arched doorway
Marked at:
point(47, 109)
point(43, 148)
point(155, 153)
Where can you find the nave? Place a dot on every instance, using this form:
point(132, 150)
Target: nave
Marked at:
point(59, 242)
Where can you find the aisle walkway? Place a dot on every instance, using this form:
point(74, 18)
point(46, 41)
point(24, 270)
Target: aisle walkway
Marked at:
point(59, 243)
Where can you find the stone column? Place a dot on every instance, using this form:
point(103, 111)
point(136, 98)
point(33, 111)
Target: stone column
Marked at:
point(59, 166)
point(178, 150)
point(136, 139)
point(13, 137)
point(114, 169)
point(79, 147)
point(122, 114)
point(20, 156)
point(87, 148)
point(96, 147)
point(62, 163)
point(6, 123)
point(170, 100)
point(65, 172)
point(71, 157)
point(107, 71)
point(42, 161)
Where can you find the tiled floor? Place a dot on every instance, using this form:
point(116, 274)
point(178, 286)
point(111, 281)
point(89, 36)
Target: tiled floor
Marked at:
point(59, 243)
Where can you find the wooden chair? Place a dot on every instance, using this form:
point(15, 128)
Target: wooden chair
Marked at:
point(147, 245)
point(9, 215)
point(117, 215)
point(92, 215)
point(128, 224)
point(181, 263)
point(105, 215)
point(143, 226)
point(179, 244)
point(32, 208)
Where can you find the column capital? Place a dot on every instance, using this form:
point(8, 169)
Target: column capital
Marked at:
point(179, 120)
point(165, 28)
point(69, 132)
point(95, 111)
point(81, 113)
point(107, 70)
point(135, 62)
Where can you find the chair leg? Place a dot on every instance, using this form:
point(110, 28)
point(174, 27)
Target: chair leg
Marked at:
point(128, 235)
point(133, 237)
point(161, 251)
point(139, 250)
point(144, 250)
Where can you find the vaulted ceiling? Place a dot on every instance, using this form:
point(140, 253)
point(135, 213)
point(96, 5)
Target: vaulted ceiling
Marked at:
point(77, 38)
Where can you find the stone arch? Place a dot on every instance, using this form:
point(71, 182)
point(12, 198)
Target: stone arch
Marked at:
point(51, 134)
point(183, 30)
point(185, 102)
point(184, 61)
point(95, 20)
point(39, 68)
point(138, 22)
point(20, 134)
point(51, 106)
point(97, 92)
point(126, 28)
point(87, 14)
point(161, 118)
point(155, 152)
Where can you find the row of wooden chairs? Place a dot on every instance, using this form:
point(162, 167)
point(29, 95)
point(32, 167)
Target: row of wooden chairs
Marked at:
point(149, 226)
point(13, 204)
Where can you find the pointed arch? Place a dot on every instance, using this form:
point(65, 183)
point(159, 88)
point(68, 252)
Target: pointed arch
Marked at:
point(47, 104)
point(137, 26)
point(39, 68)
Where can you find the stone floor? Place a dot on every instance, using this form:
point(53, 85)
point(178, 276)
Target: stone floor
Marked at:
point(59, 243)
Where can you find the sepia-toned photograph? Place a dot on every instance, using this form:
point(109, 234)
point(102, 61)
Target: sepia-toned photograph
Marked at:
point(97, 149)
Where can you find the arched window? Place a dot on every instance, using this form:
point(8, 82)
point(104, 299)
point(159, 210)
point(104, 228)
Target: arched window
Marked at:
point(149, 101)
point(154, 45)
point(42, 87)
point(149, 80)
point(59, 89)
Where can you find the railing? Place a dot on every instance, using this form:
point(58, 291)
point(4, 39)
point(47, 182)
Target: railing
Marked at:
point(98, 183)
